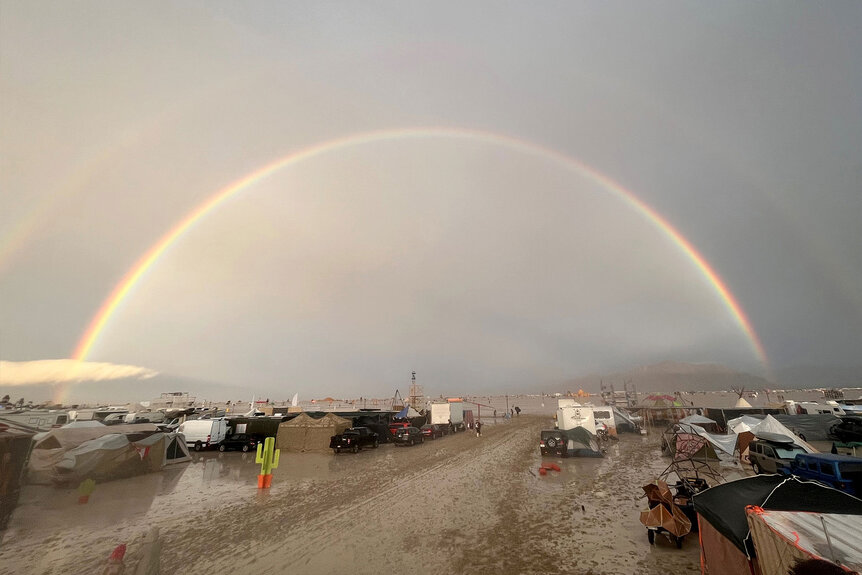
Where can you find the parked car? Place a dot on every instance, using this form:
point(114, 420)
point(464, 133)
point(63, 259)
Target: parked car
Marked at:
point(354, 439)
point(408, 436)
point(847, 430)
point(771, 452)
point(396, 425)
point(842, 472)
point(432, 430)
point(241, 441)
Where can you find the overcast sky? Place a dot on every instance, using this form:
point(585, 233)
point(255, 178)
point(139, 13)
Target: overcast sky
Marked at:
point(477, 265)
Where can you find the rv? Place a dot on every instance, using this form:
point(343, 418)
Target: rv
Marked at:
point(204, 433)
point(41, 419)
point(573, 416)
point(812, 407)
point(604, 415)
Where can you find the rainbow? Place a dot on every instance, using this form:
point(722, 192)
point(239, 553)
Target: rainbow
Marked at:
point(122, 289)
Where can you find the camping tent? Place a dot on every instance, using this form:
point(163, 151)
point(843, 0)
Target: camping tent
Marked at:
point(581, 442)
point(304, 433)
point(15, 443)
point(724, 532)
point(784, 537)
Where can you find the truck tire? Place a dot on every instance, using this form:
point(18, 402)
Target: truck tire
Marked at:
point(222, 447)
point(337, 450)
point(245, 447)
point(551, 442)
point(198, 445)
point(650, 534)
point(376, 444)
point(355, 449)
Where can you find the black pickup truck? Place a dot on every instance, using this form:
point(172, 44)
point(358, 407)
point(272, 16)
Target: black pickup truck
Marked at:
point(353, 439)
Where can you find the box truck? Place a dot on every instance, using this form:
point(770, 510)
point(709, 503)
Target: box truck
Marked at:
point(451, 411)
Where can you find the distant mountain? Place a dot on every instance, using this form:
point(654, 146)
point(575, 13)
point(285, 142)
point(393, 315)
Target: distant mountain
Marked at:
point(810, 376)
point(672, 376)
point(122, 391)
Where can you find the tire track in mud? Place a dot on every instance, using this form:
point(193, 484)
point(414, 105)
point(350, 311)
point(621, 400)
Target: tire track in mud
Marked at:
point(583, 520)
point(394, 518)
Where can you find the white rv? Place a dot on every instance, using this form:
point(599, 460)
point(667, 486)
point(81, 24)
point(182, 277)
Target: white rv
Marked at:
point(204, 433)
point(41, 419)
point(572, 416)
point(604, 414)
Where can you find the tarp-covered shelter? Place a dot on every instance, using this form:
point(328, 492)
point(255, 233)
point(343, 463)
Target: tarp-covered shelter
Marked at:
point(407, 413)
point(782, 538)
point(810, 427)
point(304, 433)
point(70, 455)
point(15, 444)
point(687, 441)
point(704, 422)
point(747, 427)
point(725, 545)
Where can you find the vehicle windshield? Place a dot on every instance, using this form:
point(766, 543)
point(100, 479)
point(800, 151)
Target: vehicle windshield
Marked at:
point(787, 452)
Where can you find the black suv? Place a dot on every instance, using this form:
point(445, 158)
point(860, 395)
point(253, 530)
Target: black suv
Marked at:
point(432, 430)
point(554, 441)
point(241, 441)
point(848, 429)
point(408, 436)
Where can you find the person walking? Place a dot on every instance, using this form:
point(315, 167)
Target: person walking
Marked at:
point(478, 429)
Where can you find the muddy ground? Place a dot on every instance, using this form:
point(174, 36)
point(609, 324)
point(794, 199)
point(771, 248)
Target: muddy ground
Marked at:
point(459, 504)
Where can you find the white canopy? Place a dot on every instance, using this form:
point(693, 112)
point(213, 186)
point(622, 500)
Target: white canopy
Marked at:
point(767, 424)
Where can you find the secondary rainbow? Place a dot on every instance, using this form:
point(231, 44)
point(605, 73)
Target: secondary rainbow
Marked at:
point(122, 289)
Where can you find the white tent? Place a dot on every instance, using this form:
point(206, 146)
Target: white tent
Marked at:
point(768, 424)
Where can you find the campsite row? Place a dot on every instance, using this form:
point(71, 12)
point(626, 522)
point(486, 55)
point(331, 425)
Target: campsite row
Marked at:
point(800, 505)
point(81, 450)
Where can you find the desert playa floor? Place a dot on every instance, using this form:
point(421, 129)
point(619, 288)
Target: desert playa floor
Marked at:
point(459, 504)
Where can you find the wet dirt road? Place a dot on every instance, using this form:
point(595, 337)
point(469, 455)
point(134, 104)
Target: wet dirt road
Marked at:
point(454, 505)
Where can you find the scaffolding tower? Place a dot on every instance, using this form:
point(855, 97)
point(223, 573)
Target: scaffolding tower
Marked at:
point(417, 398)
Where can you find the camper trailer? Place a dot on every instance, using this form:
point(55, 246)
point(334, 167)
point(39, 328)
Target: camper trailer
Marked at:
point(41, 419)
point(574, 416)
point(204, 433)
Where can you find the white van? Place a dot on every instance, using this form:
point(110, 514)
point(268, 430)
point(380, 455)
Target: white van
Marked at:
point(204, 433)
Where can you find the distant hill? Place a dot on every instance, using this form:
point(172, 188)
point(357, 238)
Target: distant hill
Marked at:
point(810, 376)
point(672, 376)
point(121, 391)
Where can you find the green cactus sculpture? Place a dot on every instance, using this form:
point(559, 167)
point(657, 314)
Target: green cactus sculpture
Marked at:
point(267, 456)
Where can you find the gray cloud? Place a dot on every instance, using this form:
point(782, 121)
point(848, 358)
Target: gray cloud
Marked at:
point(477, 267)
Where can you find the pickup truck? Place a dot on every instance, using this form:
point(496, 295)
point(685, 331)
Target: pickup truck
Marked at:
point(354, 439)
